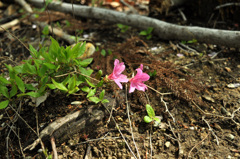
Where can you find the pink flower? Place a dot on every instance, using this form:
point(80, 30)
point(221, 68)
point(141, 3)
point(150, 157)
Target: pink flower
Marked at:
point(116, 75)
point(137, 81)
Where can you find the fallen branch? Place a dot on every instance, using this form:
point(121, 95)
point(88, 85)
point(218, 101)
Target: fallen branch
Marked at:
point(9, 25)
point(162, 29)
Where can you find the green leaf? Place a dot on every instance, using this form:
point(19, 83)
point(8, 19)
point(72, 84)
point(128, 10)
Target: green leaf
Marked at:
point(91, 92)
point(20, 84)
point(86, 72)
point(157, 120)
point(4, 104)
point(100, 84)
point(13, 91)
point(44, 80)
point(77, 50)
point(51, 86)
point(4, 80)
point(4, 91)
point(59, 85)
point(30, 87)
point(89, 83)
point(54, 50)
point(144, 32)
point(147, 119)
point(9, 67)
point(150, 111)
point(149, 37)
point(74, 90)
point(20, 69)
point(66, 80)
point(85, 89)
point(94, 99)
point(34, 94)
point(33, 51)
point(103, 52)
point(86, 62)
point(45, 30)
point(149, 30)
point(72, 83)
point(29, 68)
point(105, 101)
point(50, 66)
point(42, 70)
point(101, 96)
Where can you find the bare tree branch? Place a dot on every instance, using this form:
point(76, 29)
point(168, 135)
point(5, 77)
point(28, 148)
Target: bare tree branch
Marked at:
point(162, 29)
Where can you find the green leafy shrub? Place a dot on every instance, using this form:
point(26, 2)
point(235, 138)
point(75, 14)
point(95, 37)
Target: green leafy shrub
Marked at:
point(54, 68)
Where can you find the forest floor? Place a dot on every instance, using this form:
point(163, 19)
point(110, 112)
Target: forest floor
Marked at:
point(200, 115)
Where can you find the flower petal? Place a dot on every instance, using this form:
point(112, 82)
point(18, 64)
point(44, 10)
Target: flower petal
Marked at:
point(118, 83)
point(122, 78)
point(132, 88)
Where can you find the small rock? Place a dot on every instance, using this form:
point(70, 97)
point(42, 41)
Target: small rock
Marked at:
point(229, 157)
point(208, 98)
point(230, 136)
point(228, 69)
point(167, 144)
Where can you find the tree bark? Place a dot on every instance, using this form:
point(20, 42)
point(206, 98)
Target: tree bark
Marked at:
point(162, 29)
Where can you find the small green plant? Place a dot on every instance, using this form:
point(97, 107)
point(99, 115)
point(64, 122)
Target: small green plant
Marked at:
point(151, 116)
point(103, 52)
point(123, 28)
point(189, 41)
point(45, 31)
point(152, 74)
point(68, 24)
point(55, 68)
point(147, 33)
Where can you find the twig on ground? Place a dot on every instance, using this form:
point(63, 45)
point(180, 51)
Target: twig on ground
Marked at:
point(88, 154)
point(180, 150)
point(150, 138)
point(103, 138)
point(130, 123)
point(162, 94)
point(210, 129)
point(227, 5)
point(118, 128)
point(8, 25)
point(186, 48)
point(165, 104)
point(197, 145)
point(25, 5)
point(52, 127)
point(55, 155)
point(220, 116)
point(110, 115)
point(20, 145)
point(182, 14)
point(133, 10)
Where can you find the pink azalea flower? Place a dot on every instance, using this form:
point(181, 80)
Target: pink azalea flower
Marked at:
point(137, 81)
point(116, 75)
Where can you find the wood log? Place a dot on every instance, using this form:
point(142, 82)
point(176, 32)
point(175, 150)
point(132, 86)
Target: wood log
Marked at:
point(163, 30)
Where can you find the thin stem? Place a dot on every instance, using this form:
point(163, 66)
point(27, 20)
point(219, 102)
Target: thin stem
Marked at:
point(158, 91)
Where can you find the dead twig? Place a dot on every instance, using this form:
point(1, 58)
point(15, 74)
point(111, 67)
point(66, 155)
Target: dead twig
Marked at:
point(197, 145)
point(210, 129)
point(55, 155)
point(8, 25)
point(165, 104)
point(130, 123)
point(25, 5)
